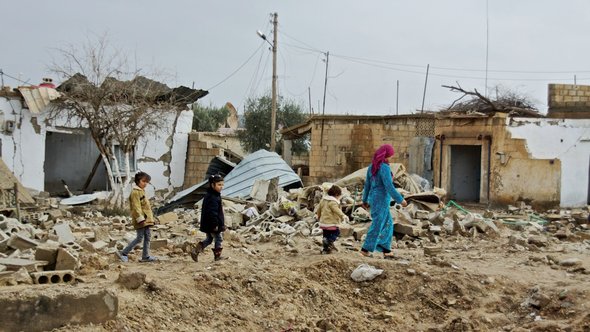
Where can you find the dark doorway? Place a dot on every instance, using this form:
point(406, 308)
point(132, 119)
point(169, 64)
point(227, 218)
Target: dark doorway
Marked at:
point(465, 172)
point(71, 158)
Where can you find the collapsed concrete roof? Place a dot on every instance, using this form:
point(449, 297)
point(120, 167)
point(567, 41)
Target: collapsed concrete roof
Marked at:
point(159, 92)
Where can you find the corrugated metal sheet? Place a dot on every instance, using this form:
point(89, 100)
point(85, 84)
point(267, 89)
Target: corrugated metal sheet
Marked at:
point(239, 182)
point(37, 98)
point(261, 164)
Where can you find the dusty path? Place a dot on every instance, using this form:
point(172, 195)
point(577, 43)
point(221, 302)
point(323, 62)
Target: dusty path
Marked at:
point(473, 285)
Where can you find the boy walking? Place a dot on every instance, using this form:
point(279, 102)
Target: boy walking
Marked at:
point(212, 219)
point(143, 219)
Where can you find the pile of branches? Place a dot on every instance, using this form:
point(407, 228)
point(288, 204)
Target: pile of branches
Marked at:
point(506, 102)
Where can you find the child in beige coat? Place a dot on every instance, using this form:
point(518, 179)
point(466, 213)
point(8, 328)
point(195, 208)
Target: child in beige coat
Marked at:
point(330, 216)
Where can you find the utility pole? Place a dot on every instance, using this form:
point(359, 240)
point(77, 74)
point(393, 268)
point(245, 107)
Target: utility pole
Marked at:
point(397, 98)
point(309, 95)
point(324, 102)
point(425, 84)
point(273, 117)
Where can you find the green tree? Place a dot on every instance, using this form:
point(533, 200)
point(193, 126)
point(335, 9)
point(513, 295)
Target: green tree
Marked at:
point(257, 120)
point(209, 118)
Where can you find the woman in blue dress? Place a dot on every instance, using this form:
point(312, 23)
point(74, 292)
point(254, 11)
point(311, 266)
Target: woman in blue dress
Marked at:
point(377, 195)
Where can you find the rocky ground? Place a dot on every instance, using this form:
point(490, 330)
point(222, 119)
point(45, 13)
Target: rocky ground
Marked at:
point(461, 268)
point(472, 284)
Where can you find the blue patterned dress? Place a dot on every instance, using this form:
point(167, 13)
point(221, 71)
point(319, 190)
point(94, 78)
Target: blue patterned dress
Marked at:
point(378, 192)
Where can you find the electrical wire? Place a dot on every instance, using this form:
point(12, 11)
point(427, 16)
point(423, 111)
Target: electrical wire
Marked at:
point(238, 69)
point(14, 78)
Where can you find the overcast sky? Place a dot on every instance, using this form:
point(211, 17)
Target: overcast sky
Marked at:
point(372, 45)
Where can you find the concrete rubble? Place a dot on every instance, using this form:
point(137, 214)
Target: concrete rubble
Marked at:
point(60, 238)
point(55, 243)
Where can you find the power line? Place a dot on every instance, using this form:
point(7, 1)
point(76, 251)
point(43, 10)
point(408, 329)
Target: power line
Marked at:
point(238, 69)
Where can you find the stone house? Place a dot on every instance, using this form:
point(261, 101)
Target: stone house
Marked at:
point(495, 158)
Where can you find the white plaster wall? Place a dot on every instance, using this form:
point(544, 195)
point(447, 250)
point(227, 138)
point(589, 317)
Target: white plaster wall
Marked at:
point(151, 149)
point(23, 150)
point(179, 148)
point(565, 139)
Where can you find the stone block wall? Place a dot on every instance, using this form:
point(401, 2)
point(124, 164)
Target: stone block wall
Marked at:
point(348, 143)
point(568, 101)
point(199, 155)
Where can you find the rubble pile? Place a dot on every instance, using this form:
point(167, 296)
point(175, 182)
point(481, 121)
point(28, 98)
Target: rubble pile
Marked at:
point(60, 244)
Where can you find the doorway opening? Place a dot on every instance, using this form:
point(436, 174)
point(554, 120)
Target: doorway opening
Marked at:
point(465, 173)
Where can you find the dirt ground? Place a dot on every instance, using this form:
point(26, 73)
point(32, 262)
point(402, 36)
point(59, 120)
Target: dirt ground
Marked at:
point(474, 284)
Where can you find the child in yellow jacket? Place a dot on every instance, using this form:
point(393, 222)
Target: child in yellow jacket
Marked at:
point(330, 216)
point(142, 217)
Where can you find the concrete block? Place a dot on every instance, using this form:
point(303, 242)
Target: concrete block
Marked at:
point(158, 243)
point(3, 241)
point(358, 232)
point(233, 219)
point(406, 229)
point(100, 245)
point(47, 252)
point(101, 234)
point(31, 311)
point(20, 242)
point(168, 218)
point(55, 214)
point(64, 233)
point(53, 277)
point(346, 230)
point(65, 260)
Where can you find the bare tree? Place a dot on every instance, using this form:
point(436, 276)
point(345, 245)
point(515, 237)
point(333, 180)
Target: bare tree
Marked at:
point(116, 104)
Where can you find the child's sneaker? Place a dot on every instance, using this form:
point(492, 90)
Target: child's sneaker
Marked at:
point(148, 259)
point(122, 257)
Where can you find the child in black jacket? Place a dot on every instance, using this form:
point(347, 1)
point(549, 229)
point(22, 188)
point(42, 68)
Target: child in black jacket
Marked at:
point(212, 220)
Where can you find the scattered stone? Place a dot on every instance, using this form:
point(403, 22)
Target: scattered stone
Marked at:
point(570, 262)
point(131, 280)
point(167, 218)
point(538, 240)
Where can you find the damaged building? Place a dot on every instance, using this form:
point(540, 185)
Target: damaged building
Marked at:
point(44, 153)
point(495, 157)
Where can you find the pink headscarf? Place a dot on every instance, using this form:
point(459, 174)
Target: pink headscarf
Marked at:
point(383, 152)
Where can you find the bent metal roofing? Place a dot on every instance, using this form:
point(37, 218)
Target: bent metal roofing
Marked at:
point(261, 164)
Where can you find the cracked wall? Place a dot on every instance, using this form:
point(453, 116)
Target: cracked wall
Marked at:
point(162, 155)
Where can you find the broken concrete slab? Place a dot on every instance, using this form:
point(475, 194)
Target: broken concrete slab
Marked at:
point(407, 229)
point(99, 245)
point(20, 242)
point(14, 264)
point(167, 218)
point(29, 311)
point(64, 233)
point(47, 251)
point(65, 260)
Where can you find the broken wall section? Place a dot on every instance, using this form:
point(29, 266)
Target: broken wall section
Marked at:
point(562, 145)
point(569, 101)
